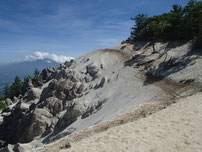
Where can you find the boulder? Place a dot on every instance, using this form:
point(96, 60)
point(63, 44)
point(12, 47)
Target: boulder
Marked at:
point(102, 82)
point(6, 114)
point(88, 78)
point(81, 88)
point(18, 148)
point(47, 92)
point(24, 106)
point(69, 73)
point(7, 109)
point(30, 84)
point(32, 125)
point(51, 127)
point(74, 110)
point(63, 84)
point(54, 105)
point(50, 70)
point(59, 94)
point(62, 66)
point(8, 102)
point(78, 88)
point(12, 120)
point(52, 84)
point(68, 64)
point(8, 148)
point(46, 74)
point(15, 99)
point(20, 97)
point(76, 85)
point(58, 74)
point(93, 70)
point(77, 77)
point(2, 144)
point(32, 94)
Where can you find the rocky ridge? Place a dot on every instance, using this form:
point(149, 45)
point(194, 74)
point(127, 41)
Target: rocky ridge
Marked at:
point(95, 88)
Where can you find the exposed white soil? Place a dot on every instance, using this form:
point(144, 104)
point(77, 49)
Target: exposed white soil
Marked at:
point(174, 129)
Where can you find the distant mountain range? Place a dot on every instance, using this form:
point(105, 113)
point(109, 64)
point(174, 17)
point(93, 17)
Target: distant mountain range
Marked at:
point(8, 72)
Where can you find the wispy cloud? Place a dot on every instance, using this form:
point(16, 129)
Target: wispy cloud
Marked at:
point(68, 27)
point(47, 56)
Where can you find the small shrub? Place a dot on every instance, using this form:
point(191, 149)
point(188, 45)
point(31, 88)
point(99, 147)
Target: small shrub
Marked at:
point(2, 105)
point(68, 146)
point(189, 81)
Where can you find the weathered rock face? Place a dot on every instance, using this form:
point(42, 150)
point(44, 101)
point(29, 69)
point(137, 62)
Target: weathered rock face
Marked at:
point(11, 121)
point(13, 148)
point(32, 95)
point(30, 84)
point(63, 89)
point(47, 74)
point(33, 124)
point(88, 78)
point(73, 110)
point(8, 102)
point(93, 70)
point(102, 82)
point(69, 74)
point(15, 99)
point(22, 125)
point(44, 110)
point(52, 104)
point(18, 148)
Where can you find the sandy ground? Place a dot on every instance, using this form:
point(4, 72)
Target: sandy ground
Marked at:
point(176, 128)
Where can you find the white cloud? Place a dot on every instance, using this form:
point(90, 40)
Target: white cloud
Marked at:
point(47, 56)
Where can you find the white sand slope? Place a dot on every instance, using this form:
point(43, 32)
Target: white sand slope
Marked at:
point(176, 128)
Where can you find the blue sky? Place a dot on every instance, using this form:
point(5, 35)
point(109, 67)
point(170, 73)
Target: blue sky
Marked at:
point(69, 27)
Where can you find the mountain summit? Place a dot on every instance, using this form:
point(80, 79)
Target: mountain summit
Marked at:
point(26, 66)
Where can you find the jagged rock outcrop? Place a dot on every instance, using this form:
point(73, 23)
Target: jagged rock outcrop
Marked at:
point(52, 104)
point(47, 74)
point(45, 110)
point(8, 102)
point(93, 70)
point(101, 83)
point(12, 118)
point(32, 95)
point(15, 99)
point(13, 148)
point(33, 124)
point(29, 83)
point(73, 110)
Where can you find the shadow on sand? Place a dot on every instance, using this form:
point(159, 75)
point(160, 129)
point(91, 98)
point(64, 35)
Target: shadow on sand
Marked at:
point(166, 67)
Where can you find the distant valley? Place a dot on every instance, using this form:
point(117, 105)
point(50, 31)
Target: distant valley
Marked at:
point(22, 69)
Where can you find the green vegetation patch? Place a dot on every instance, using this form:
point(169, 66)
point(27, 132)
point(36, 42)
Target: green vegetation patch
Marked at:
point(2, 105)
point(68, 146)
point(181, 23)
